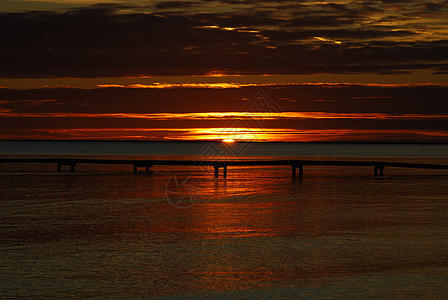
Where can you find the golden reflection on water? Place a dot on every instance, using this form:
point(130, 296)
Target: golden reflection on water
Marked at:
point(258, 228)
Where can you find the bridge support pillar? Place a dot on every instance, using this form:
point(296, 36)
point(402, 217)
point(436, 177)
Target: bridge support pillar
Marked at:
point(72, 165)
point(146, 166)
point(294, 173)
point(216, 170)
point(378, 170)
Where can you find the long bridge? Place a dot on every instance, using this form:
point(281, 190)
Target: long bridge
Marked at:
point(378, 167)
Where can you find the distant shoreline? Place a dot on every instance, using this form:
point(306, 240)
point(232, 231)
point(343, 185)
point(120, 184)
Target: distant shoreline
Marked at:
point(218, 141)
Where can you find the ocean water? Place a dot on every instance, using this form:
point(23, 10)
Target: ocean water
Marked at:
point(179, 233)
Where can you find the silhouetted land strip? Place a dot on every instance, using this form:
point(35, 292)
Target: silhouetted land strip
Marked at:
point(378, 167)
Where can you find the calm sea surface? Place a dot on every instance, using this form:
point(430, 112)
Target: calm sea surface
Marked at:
point(179, 233)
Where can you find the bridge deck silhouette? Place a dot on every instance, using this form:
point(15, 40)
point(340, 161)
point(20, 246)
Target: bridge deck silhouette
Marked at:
point(378, 167)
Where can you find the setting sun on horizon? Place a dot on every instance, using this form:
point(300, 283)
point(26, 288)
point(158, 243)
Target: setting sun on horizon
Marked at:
point(228, 141)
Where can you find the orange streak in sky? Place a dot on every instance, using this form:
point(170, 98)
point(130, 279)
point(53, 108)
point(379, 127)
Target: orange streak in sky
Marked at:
point(225, 115)
point(237, 134)
point(233, 85)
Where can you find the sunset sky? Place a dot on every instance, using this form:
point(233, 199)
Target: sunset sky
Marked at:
point(224, 70)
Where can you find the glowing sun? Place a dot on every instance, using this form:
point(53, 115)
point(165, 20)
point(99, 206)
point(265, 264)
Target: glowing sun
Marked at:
point(228, 140)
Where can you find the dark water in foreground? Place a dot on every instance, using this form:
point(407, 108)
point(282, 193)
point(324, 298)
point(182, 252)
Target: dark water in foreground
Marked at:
point(105, 232)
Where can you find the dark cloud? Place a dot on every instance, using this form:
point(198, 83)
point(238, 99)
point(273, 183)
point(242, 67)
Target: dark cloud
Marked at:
point(176, 4)
point(334, 98)
point(112, 40)
point(435, 6)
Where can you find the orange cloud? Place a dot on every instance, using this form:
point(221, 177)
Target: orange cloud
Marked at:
point(227, 115)
point(237, 134)
point(156, 85)
point(227, 85)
